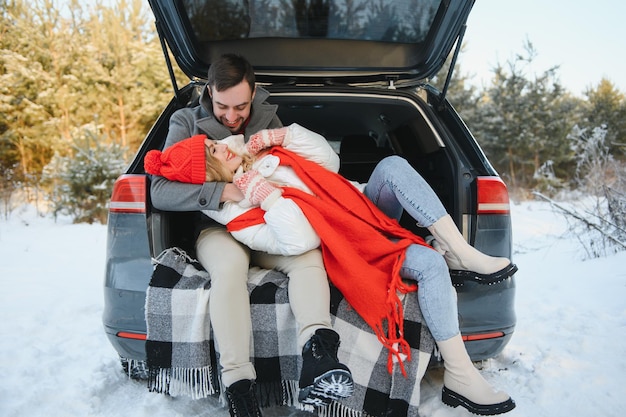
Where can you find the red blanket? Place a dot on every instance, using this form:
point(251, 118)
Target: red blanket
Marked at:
point(363, 249)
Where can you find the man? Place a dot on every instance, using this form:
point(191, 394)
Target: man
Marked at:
point(230, 104)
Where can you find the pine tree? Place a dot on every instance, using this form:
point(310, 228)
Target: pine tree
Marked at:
point(70, 65)
point(81, 182)
point(606, 107)
point(523, 122)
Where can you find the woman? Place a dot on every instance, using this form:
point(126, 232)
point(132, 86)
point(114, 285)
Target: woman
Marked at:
point(295, 200)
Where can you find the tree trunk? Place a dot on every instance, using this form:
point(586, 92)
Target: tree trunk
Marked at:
point(511, 168)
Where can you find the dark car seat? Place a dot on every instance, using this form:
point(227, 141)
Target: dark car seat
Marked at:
point(359, 154)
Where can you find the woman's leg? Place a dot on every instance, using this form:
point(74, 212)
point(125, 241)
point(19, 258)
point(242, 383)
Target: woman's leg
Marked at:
point(465, 261)
point(463, 384)
point(227, 261)
point(436, 295)
point(394, 185)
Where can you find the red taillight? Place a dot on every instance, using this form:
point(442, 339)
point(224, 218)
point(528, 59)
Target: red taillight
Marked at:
point(129, 194)
point(130, 335)
point(493, 196)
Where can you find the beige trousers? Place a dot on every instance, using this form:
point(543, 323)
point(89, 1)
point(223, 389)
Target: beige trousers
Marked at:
point(227, 262)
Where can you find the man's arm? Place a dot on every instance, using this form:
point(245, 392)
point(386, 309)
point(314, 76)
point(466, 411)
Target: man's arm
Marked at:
point(178, 196)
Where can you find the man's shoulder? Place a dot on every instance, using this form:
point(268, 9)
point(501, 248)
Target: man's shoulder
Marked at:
point(192, 120)
point(194, 112)
point(261, 94)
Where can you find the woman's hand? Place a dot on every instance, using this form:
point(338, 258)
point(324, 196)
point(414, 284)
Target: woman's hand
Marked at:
point(257, 190)
point(267, 138)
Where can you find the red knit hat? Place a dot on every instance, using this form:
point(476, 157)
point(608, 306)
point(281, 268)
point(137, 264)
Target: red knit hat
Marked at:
point(184, 161)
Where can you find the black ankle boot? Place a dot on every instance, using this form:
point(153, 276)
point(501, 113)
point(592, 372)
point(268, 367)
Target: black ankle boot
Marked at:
point(323, 378)
point(242, 401)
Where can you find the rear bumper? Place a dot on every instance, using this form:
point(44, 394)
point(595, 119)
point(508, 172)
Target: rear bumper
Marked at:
point(124, 313)
point(125, 347)
point(128, 272)
point(483, 349)
point(482, 308)
point(487, 310)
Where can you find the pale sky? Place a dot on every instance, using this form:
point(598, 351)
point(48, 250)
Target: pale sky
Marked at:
point(585, 38)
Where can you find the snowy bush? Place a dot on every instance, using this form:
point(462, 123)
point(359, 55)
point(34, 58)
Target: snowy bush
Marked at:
point(546, 180)
point(8, 185)
point(616, 208)
point(595, 166)
point(599, 220)
point(81, 181)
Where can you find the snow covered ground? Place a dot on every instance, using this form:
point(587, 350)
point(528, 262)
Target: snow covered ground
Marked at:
point(567, 357)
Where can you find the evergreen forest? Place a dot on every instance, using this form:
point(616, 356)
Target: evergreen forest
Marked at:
point(81, 84)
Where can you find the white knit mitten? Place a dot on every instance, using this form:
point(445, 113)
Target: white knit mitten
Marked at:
point(257, 190)
point(267, 138)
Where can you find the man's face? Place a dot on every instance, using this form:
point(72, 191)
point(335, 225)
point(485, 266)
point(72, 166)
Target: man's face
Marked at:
point(232, 106)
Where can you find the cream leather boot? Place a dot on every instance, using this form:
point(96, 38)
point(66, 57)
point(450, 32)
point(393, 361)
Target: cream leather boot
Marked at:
point(464, 261)
point(463, 385)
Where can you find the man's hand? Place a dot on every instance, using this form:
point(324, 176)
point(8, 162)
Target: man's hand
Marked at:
point(231, 193)
point(257, 190)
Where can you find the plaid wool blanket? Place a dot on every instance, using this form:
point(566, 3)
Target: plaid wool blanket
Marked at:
point(183, 359)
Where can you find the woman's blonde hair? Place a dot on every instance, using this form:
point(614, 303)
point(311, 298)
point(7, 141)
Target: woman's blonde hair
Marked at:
point(216, 171)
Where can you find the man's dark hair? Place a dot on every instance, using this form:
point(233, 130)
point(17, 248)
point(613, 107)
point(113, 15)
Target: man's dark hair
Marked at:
point(228, 71)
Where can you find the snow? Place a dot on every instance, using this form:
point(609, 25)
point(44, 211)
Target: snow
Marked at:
point(566, 358)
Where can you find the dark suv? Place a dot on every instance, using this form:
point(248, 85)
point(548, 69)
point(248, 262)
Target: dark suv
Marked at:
point(358, 77)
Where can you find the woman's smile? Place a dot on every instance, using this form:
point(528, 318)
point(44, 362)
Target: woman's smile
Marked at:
point(223, 154)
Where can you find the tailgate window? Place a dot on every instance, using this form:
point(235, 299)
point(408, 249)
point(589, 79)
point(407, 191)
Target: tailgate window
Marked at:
point(401, 21)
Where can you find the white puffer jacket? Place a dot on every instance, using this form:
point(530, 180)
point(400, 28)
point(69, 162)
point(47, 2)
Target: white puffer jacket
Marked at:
point(286, 230)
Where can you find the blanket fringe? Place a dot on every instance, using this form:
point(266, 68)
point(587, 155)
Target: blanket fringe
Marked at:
point(194, 383)
point(176, 252)
point(290, 393)
point(277, 393)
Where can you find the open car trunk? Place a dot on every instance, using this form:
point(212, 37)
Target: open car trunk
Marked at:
point(363, 128)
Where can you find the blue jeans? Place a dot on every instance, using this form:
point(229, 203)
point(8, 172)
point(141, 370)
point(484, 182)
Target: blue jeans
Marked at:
point(393, 186)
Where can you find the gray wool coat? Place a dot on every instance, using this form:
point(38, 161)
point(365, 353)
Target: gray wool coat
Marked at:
point(184, 123)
